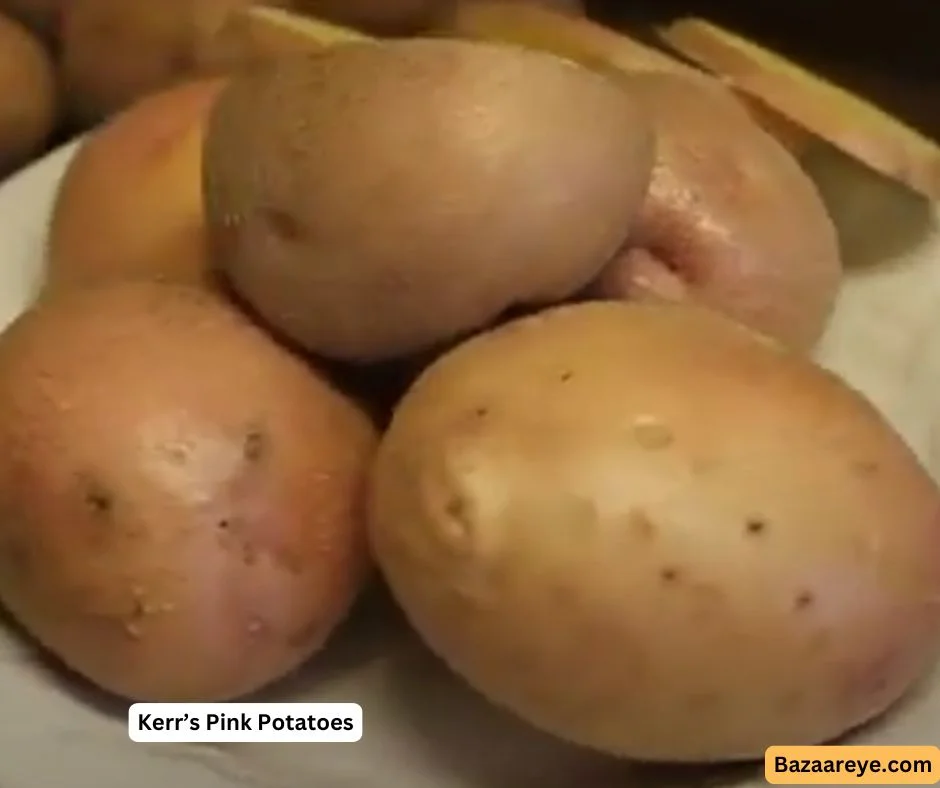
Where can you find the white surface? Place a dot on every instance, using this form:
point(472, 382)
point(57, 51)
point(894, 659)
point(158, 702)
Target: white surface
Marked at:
point(423, 729)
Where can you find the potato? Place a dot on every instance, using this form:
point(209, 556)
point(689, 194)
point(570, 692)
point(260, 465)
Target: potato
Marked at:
point(377, 16)
point(546, 26)
point(130, 203)
point(730, 220)
point(40, 16)
point(115, 51)
point(27, 83)
point(647, 530)
point(181, 497)
point(571, 7)
point(350, 244)
point(255, 35)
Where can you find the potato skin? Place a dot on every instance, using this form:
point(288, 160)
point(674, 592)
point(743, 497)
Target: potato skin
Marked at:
point(730, 220)
point(181, 497)
point(40, 16)
point(130, 203)
point(382, 17)
point(646, 530)
point(530, 171)
point(29, 106)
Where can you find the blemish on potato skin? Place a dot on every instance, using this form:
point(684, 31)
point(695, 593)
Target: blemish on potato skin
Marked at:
point(651, 433)
point(457, 520)
point(670, 575)
point(99, 500)
point(565, 376)
point(255, 446)
point(865, 468)
point(481, 412)
point(249, 554)
point(804, 600)
point(176, 453)
point(756, 526)
point(282, 224)
point(132, 624)
point(641, 525)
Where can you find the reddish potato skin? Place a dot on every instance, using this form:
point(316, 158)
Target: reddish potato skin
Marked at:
point(181, 496)
point(730, 220)
point(130, 203)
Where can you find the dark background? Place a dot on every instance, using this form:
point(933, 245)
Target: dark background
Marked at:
point(888, 52)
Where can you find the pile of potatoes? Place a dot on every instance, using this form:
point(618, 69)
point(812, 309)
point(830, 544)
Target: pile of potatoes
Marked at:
point(528, 340)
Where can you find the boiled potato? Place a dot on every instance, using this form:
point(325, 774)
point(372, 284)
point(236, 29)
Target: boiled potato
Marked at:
point(116, 51)
point(730, 220)
point(346, 241)
point(130, 203)
point(181, 497)
point(650, 531)
point(28, 108)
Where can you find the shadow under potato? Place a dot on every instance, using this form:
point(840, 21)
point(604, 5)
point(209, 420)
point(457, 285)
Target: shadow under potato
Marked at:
point(34, 658)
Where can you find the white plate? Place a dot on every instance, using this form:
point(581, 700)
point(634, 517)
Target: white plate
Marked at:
point(422, 728)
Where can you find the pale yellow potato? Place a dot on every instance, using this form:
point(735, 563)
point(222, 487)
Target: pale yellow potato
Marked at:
point(647, 530)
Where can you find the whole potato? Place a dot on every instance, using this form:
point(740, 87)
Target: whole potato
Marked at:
point(181, 497)
point(130, 203)
point(730, 219)
point(649, 531)
point(28, 109)
point(403, 193)
point(115, 51)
